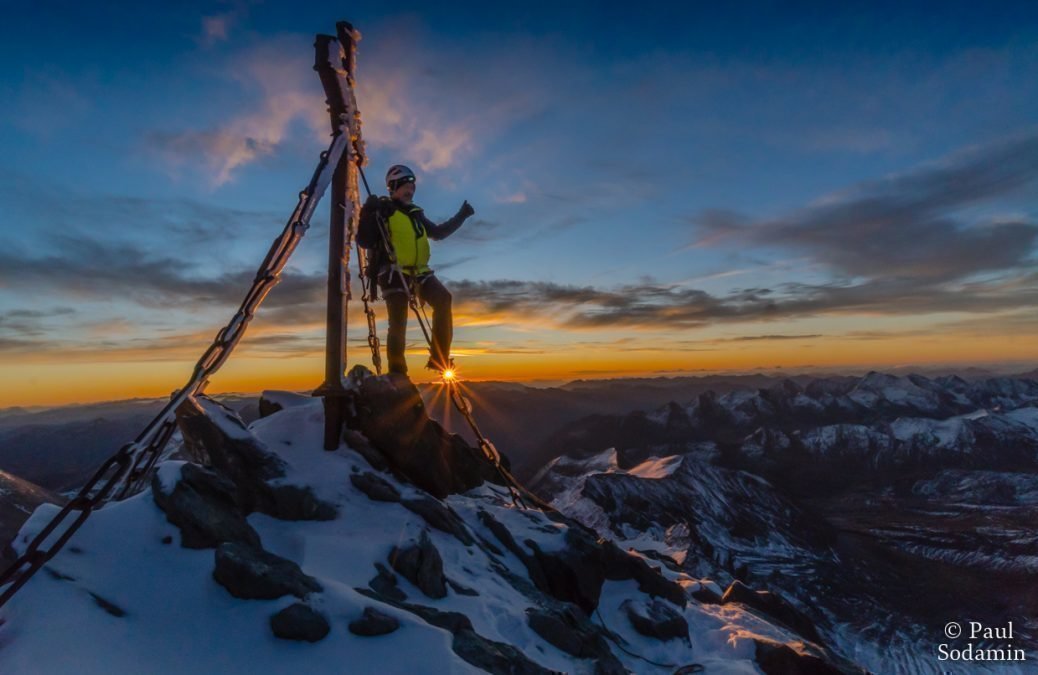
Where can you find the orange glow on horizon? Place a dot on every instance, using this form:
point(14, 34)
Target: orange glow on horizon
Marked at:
point(54, 382)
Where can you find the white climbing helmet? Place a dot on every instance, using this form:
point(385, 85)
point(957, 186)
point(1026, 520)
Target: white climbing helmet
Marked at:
point(397, 174)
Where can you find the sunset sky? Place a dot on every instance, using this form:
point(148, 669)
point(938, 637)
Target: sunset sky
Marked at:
point(659, 190)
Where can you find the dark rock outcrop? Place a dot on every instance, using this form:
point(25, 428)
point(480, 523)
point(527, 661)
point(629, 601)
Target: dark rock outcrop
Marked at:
point(706, 596)
point(385, 584)
point(389, 411)
point(374, 487)
point(440, 517)
point(620, 565)
point(774, 606)
point(655, 619)
point(776, 658)
point(573, 573)
point(373, 623)
point(491, 656)
point(202, 504)
point(299, 622)
point(295, 502)
point(422, 565)
point(214, 435)
point(569, 629)
point(274, 401)
point(576, 571)
point(252, 573)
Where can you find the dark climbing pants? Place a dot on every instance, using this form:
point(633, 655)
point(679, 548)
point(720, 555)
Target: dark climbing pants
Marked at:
point(430, 292)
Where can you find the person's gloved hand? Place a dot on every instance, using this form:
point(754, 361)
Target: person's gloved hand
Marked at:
point(372, 202)
point(466, 210)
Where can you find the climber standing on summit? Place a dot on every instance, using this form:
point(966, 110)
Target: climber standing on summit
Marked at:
point(409, 232)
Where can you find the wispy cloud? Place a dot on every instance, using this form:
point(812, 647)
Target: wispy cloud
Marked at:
point(906, 226)
point(667, 308)
point(431, 118)
point(276, 92)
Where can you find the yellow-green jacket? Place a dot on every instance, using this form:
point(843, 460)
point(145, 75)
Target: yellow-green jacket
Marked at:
point(409, 233)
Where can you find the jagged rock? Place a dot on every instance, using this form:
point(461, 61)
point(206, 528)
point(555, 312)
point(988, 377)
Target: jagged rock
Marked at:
point(373, 623)
point(775, 658)
point(202, 505)
point(461, 589)
point(566, 627)
point(494, 657)
point(216, 436)
point(505, 537)
point(252, 573)
point(274, 401)
point(655, 619)
point(295, 502)
point(389, 411)
point(706, 596)
point(774, 606)
point(491, 656)
point(384, 583)
point(573, 573)
point(422, 565)
point(268, 408)
point(359, 442)
point(564, 575)
point(374, 487)
point(300, 622)
point(439, 516)
point(618, 565)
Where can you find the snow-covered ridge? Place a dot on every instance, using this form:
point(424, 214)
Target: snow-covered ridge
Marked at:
point(126, 596)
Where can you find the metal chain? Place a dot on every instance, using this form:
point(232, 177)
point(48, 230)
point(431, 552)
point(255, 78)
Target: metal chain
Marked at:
point(369, 312)
point(150, 443)
point(126, 471)
point(520, 495)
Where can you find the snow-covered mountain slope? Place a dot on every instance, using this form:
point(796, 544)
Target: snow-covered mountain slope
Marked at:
point(921, 497)
point(879, 595)
point(880, 506)
point(371, 575)
point(18, 499)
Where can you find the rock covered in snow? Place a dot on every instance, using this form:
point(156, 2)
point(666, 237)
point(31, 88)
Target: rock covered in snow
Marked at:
point(373, 623)
point(216, 436)
point(252, 573)
point(202, 505)
point(655, 619)
point(421, 564)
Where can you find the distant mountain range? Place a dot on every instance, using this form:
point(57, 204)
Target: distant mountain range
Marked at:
point(883, 505)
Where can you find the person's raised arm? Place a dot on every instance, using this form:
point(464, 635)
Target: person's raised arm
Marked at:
point(448, 227)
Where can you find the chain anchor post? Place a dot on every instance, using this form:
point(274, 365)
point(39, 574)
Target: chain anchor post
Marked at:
point(335, 60)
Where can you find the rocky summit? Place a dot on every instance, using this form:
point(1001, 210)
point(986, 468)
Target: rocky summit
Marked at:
point(397, 552)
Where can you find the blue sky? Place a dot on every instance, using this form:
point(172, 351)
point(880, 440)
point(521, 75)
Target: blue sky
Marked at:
point(673, 188)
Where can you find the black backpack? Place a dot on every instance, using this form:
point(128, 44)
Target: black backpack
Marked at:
point(370, 239)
